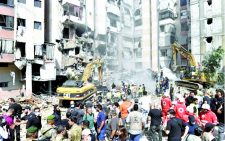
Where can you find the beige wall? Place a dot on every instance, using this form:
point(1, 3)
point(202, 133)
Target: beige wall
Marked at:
point(5, 77)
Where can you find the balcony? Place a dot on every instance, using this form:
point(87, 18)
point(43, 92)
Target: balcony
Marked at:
point(73, 2)
point(113, 9)
point(71, 20)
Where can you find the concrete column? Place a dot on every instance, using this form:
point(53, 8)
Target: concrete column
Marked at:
point(29, 79)
point(50, 87)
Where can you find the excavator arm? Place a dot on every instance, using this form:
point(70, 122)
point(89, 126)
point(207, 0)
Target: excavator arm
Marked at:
point(90, 67)
point(185, 53)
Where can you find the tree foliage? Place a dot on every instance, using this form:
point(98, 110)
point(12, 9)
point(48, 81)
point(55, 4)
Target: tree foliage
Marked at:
point(212, 62)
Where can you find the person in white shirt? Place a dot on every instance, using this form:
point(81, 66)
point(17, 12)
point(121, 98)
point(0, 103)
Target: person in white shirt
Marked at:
point(3, 130)
point(136, 124)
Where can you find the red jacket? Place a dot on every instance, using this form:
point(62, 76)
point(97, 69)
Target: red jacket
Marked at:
point(180, 110)
point(166, 103)
point(208, 117)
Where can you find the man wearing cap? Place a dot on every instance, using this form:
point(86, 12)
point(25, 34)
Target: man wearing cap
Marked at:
point(49, 131)
point(165, 104)
point(207, 116)
point(208, 134)
point(32, 133)
point(180, 108)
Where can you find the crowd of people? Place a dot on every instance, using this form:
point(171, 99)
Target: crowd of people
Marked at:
point(120, 115)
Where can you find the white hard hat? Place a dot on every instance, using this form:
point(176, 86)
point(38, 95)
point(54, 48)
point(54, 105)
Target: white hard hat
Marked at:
point(190, 109)
point(181, 100)
point(206, 106)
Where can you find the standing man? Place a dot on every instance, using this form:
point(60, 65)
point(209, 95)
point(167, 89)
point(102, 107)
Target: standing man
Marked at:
point(155, 117)
point(32, 133)
point(174, 127)
point(124, 108)
point(165, 104)
point(49, 131)
point(16, 115)
point(136, 123)
point(113, 126)
point(101, 123)
point(75, 131)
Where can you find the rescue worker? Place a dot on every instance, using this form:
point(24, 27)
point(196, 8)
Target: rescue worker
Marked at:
point(180, 108)
point(32, 133)
point(207, 116)
point(49, 131)
point(165, 104)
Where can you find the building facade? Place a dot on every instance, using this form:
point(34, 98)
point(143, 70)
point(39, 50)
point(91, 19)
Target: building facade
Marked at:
point(207, 27)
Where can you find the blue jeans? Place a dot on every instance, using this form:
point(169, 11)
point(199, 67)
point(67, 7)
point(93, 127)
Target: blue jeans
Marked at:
point(101, 135)
point(135, 137)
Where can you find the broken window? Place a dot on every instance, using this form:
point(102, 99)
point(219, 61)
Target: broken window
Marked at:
point(7, 2)
point(4, 84)
point(37, 25)
point(66, 33)
point(209, 2)
point(37, 3)
point(36, 69)
point(6, 46)
point(21, 22)
point(209, 21)
point(20, 50)
point(209, 39)
point(22, 1)
point(6, 22)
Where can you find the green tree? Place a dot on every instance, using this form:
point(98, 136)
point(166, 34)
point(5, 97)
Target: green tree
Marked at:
point(212, 62)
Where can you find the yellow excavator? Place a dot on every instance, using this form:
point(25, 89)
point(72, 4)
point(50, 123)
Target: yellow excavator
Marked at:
point(190, 75)
point(79, 90)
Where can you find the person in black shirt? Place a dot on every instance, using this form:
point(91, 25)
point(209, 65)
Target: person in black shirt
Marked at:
point(174, 127)
point(155, 116)
point(16, 115)
point(30, 119)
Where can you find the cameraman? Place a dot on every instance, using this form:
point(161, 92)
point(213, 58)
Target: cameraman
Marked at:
point(3, 130)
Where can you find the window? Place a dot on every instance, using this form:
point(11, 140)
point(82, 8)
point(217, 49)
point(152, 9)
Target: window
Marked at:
point(137, 12)
point(165, 15)
point(7, 2)
point(163, 52)
point(6, 22)
point(3, 84)
point(209, 21)
point(113, 23)
point(209, 2)
point(22, 1)
point(6, 46)
point(66, 33)
point(162, 28)
point(21, 22)
point(172, 39)
point(37, 3)
point(138, 22)
point(37, 25)
point(183, 2)
point(209, 39)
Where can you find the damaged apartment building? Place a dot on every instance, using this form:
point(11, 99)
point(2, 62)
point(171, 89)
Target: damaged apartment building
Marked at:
point(69, 25)
point(25, 58)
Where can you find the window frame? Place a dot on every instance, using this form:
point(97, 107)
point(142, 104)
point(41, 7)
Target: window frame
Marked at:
point(35, 22)
point(37, 3)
